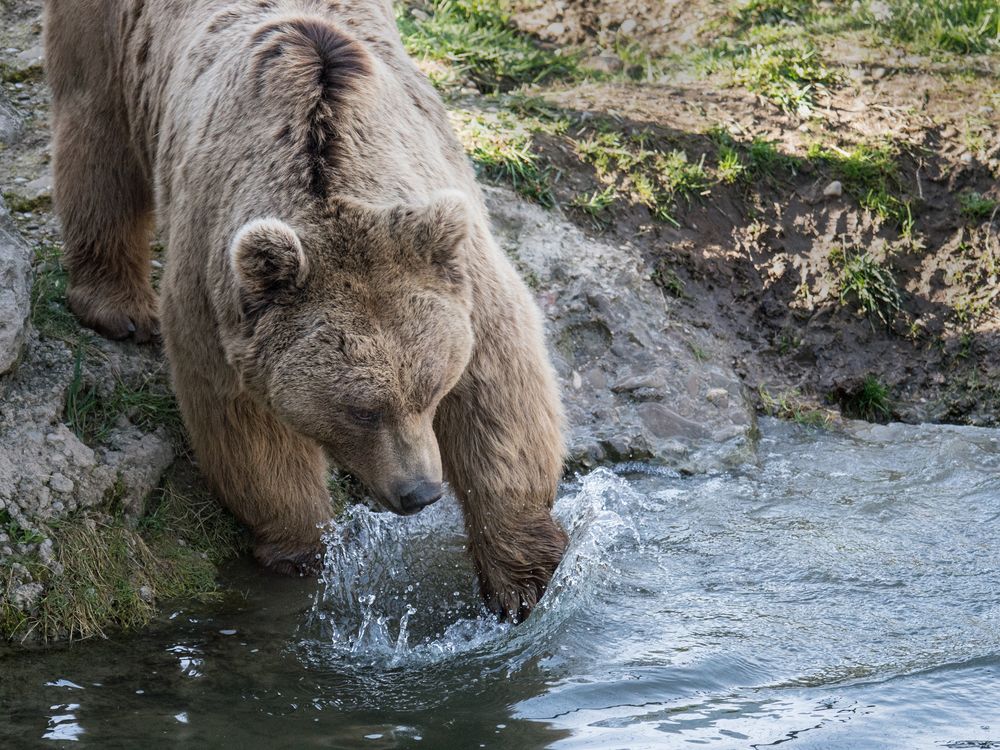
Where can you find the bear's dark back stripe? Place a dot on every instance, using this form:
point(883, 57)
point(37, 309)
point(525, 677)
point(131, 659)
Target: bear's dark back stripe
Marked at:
point(312, 69)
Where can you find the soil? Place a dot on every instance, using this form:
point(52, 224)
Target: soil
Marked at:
point(755, 259)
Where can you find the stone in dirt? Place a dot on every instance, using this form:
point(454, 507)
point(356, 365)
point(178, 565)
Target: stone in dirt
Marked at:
point(11, 122)
point(15, 290)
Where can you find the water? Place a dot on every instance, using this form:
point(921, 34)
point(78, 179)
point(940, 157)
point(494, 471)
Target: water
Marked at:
point(844, 593)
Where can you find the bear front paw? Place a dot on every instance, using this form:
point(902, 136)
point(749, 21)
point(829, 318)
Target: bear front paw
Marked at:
point(515, 569)
point(307, 562)
point(116, 314)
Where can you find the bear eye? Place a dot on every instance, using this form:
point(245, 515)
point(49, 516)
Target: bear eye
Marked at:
point(366, 417)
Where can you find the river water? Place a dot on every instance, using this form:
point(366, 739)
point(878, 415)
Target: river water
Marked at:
point(842, 592)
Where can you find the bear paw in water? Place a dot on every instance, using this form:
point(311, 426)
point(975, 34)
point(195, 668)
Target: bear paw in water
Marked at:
point(515, 571)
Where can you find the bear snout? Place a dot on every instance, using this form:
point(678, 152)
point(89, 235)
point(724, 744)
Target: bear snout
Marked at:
point(414, 496)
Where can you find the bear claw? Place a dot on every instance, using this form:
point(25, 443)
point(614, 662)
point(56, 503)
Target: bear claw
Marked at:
point(135, 318)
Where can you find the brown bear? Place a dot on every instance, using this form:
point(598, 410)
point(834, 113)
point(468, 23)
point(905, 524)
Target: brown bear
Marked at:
point(331, 287)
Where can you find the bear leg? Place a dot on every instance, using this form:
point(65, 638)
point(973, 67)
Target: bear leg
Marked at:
point(103, 197)
point(272, 479)
point(501, 443)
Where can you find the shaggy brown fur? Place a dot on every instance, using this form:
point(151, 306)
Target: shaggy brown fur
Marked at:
point(331, 286)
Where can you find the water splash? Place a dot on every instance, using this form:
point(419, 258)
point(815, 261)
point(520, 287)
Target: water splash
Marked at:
point(400, 591)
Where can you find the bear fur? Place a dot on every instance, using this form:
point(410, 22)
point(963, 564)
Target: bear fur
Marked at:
point(331, 287)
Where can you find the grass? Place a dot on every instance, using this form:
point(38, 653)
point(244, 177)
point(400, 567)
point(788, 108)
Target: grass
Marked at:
point(111, 576)
point(13, 74)
point(976, 207)
point(17, 533)
point(667, 279)
point(597, 205)
point(500, 148)
point(787, 72)
point(20, 204)
point(49, 314)
point(869, 401)
point(474, 41)
point(957, 26)
point(636, 167)
point(92, 413)
point(869, 284)
point(730, 168)
point(792, 406)
point(771, 12)
point(759, 159)
point(870, 174)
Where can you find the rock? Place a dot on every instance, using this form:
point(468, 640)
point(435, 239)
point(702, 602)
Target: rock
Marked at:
point(46, 471)
point(32, 56)
point(636, 384)
point(555, 30)
point(140, 460)
point(11, 122)
point(628, 26)
point(834, 189)
point(605, 63)
point(15, 290)
point(25, 597)
point(40, 186)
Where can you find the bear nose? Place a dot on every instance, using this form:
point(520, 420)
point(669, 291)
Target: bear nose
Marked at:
point(416, 496)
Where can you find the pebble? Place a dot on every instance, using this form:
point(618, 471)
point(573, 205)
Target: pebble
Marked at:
point(61, 483)
point(555, 29)
point(604, 63)
point(834, 189)
point(628, 26)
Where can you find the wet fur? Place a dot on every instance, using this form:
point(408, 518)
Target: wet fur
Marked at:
point(219, 114)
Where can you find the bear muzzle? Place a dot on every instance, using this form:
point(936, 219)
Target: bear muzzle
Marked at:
point(413, 497)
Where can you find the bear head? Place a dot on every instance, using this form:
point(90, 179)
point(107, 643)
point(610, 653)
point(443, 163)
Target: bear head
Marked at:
point(352, 328)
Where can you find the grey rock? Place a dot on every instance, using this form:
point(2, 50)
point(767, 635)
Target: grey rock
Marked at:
point(606, 63)
point(25, 597)
point(11, 122)
point(140, 460)
point(636, 383)
point(15, 290)
point(46, 471)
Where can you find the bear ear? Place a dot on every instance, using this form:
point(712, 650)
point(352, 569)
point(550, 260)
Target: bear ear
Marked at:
point(436, 231)
point(268, 261)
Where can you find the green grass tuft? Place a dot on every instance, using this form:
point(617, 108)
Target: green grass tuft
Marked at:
point(111, 576)
point(667, 279)
point(17, 533)
point(49, 314)
point(790, 405)
point(13, 74)
point(597, 204)
point(976, 206)
point(500, 148)
point(650, 176)
point(787, 72)
point(92, 413)
point(957, 26)
point(772, 12)
point(870, 401)
point(869, 284)
point(474, 40)
point(20, 204)
point(870, 174)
